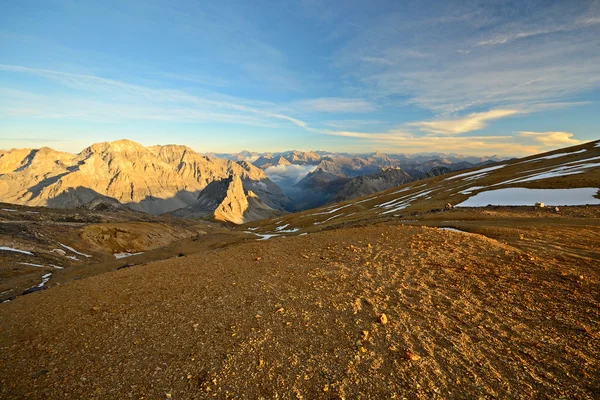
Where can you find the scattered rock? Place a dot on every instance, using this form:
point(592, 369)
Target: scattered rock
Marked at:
point(448, 206)
point(556, 209)
point(258, 258)
point(95, 308)
point(39, 373)
point(365, 335)
point(539, 205)
point(383, 319)
point(410, 355)
point(168, 395)
point(181, 255)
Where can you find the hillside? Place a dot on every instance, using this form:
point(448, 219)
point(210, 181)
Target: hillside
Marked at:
point(156, 179)
point(389, 295)
point(225, 200)
point(574, 171)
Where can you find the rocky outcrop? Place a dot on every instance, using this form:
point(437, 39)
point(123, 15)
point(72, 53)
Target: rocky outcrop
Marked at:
point(267, 161)
point(155, 179)
point(226, 200)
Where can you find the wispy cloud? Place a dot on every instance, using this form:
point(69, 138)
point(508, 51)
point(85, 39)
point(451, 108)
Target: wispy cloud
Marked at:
point(115, 100)
point(548, 53)
point(335, 105)
point(471, 122)
point(551, 139)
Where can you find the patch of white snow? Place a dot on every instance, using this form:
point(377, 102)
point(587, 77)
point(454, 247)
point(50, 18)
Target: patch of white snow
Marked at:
point(74, 251)
point(5, 248)
point(478, 172)
point(528, 197)
point(123, 255)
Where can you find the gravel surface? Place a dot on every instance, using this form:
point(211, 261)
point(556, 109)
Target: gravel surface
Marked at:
point(385, 311)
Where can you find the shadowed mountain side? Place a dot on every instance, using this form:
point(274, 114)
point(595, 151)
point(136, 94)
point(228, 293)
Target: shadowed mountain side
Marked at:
point(226, 200)
point(77, 197)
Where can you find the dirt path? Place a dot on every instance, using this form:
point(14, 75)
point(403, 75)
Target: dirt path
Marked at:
point(467, 317)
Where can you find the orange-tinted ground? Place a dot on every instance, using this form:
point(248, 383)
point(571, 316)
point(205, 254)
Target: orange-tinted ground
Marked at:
point(512, 314)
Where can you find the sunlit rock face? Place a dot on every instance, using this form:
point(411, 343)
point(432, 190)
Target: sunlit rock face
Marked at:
point(155, 179)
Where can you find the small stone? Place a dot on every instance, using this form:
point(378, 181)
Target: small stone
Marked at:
point(410, 355)
point(365, 335)
point(304, 256)
point(40, 373)
point(189, 376)
point(280, 309)
point(261, 363)
point(168, 395)
point(383, 319)
point(258, 258)
point(326, 388)
point(96, 308)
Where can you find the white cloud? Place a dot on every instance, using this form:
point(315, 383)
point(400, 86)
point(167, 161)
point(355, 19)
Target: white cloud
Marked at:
point(288, 175)
point(471, 122)
point(489, 59)
point(335, 105)
point(551, 139)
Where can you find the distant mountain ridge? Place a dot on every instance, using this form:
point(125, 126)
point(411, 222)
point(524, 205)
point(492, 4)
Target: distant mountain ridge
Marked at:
point(156, 179)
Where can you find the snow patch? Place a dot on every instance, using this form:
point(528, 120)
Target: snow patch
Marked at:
point(479, 172)
point(5, 248)
point(550, 157)
point(33, 265)
point(123, 255)
point(74, 251)
point(45, 279)
point(471, 189)
point(266, 236)
point(528, 197)
point(579, 167)
point(9, 210)
point(447, 228)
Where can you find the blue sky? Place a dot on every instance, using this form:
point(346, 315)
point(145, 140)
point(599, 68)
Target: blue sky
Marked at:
point(473, 77)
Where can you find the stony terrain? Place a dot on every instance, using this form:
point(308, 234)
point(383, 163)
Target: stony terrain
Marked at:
point(466, 316)
point(62, 245)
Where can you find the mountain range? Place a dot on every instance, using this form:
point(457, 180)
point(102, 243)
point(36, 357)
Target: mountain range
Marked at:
point(156, 179)
point(235, 188)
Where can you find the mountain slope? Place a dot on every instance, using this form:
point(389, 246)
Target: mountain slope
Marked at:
point(157, 179)
point(576, 168)
point(225, 200)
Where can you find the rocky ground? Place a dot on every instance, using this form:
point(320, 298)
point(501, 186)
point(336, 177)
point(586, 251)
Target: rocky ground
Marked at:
point(76, 243)
point(388, 310)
